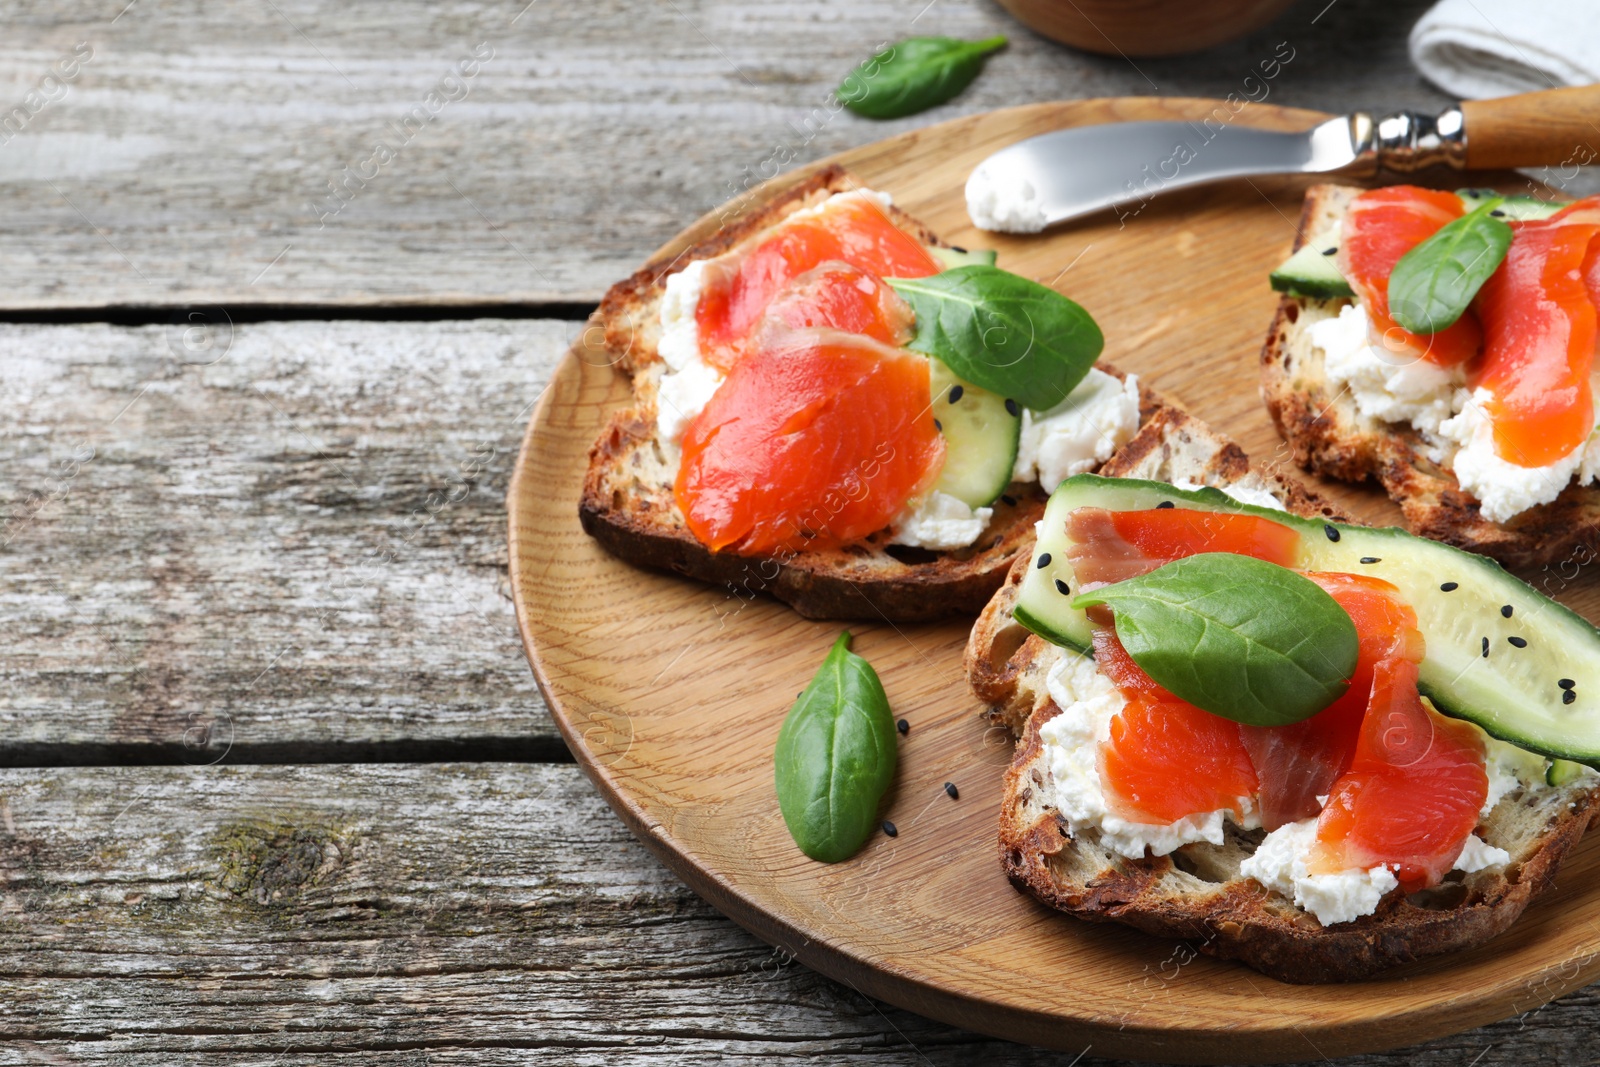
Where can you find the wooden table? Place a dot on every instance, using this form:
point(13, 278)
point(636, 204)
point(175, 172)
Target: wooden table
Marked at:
point(277, 779)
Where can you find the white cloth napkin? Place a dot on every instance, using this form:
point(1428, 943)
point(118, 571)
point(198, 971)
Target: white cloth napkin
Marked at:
point(1474, 49)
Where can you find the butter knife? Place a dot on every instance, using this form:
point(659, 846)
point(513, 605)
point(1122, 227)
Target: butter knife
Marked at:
point(1124, 165)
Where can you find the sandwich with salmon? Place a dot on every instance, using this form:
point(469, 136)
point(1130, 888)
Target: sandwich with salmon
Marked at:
point(833, 407)
point(1442, 343)
point(1315, 747)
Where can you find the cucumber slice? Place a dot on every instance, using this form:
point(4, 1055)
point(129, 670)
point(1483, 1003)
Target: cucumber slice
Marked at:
point(981, 436)
point(961, 257)
point(1562, 771)
point(1515, 207)
point(1475, 668)
point(1311, 272)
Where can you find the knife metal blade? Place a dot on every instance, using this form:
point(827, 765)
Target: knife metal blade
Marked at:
point(1069, 173)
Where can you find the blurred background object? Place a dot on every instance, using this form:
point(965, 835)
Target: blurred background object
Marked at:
point(1482, 48)
point(1144, 27)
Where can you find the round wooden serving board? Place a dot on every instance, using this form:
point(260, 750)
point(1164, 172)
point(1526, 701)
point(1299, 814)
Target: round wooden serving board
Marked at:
point(671, 693)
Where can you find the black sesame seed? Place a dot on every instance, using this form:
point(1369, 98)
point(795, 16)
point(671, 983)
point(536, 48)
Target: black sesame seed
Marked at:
point(1331, 251)
point(889, 828)
point(1371, 559)
point(1518, 642)
point(1566, 683)
point(1166, 504)
point(937, 425)
point(955, 393)
point(1008, 500)
point(951, 791)
point(1044, 561)
point(903, 726)
point(1012, 409)
point(1485, 648)
point(1061, 587)
point(1497, 213)
point(1449, 587)
point(1505, 611)
point(1568, 697)
point(958, 249)
point(1332, 532)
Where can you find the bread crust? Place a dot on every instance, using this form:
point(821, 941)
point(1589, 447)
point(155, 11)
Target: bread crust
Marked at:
point(1196, 894)
point(627, 503)
point(1328, 436)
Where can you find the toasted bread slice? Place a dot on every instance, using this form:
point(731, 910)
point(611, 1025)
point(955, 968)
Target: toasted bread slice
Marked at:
point(1197, 892)
point(1330, 437)
point(628, 506)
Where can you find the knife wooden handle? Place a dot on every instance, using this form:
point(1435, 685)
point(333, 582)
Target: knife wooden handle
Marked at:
point(1546, 128)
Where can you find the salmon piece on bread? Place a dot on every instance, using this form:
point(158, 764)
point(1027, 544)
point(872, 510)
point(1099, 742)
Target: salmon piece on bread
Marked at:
point(1198, 893)
point(1330, 436)
point(628, 502)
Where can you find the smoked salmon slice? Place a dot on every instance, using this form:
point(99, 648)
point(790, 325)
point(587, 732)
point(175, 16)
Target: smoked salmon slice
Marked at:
point(1380, 226)
point(1300, 762)
point(815, 439)
point(852, 229)
point(1111, 546)
point(1412, 794)
point(837, 295)
point(1538, 314)
point(1166, 758)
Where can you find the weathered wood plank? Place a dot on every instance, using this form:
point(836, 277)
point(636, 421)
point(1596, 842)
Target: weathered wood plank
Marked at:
point(297, 547)
point(441, 914)
point(189, 157)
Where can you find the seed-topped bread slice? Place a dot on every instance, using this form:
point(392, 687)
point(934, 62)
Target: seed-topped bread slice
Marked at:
point(629, 508)
point(1197, 893)
point(1329, 436)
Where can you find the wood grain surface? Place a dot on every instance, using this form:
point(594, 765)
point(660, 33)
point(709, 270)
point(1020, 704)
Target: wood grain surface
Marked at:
point(189, 159)
point(671, 693)
point(286, 545)
point(443, 914)
point(473, 925)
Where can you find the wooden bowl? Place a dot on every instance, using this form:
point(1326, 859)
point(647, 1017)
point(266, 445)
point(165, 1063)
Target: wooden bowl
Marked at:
point(1144, 27)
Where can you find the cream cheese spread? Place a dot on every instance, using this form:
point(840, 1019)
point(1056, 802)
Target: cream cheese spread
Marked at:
point(940, 521)
point(1453, 420)
point(1004, 202)
point(1080, 433)
point(1505, 490)
point(1089, 700)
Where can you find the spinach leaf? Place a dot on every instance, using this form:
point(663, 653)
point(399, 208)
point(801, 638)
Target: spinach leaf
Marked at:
point(1003, 332)
point(914, 75)
point(1433, 283)
point(1238, 637)
point(835, 756)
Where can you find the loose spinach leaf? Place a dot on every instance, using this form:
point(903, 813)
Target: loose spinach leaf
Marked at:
point(1004, 332)
point(914, 75)
point(835, 756)
point(1433, 283)
point(1238, 637)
